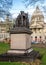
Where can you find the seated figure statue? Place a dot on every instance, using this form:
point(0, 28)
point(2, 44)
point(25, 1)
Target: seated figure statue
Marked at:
point(22, 20)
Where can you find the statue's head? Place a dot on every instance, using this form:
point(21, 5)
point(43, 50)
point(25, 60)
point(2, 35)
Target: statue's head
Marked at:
point(21, 12)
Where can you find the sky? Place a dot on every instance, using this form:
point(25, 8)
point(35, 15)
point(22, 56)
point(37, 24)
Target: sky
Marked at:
point(19, 5)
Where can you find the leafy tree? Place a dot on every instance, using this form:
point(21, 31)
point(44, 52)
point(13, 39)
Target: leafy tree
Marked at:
point(5, 6)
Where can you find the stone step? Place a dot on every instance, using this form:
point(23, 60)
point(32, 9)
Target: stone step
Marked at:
point(24, 57)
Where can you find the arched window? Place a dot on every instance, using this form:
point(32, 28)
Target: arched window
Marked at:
point(35, 38)
point(40, 38)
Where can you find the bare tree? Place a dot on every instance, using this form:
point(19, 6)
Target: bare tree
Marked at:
point(33, 3)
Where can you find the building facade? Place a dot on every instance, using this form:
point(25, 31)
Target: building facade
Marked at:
point(5, 27)
point(38, 26)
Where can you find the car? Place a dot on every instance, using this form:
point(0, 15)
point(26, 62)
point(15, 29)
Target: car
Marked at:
point(33, 42)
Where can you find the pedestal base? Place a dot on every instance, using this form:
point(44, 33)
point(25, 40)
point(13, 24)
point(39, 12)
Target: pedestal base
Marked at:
point(19, 51)
point(27, 57)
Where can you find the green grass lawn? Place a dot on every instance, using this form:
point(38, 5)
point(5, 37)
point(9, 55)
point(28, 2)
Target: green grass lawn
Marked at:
point(12, 63)
point(43, 52)
point(4, 47)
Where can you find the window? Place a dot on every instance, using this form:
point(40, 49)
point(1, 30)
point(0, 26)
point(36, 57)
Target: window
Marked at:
point(35, 30)
point(1, 35)
point(35, 38)
point(40, 38)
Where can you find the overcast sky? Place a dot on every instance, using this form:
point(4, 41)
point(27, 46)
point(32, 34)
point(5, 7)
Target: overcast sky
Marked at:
point(18, 6)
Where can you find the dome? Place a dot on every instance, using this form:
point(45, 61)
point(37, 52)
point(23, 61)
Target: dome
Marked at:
point(37, 13)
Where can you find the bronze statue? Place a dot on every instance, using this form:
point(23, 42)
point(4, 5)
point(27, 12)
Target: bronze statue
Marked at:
point(22, 20)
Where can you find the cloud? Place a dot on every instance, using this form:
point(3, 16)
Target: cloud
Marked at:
point(29, 10)
point(14, 13)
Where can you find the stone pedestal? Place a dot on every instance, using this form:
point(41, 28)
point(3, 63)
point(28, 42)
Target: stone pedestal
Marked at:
point(20, 41)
